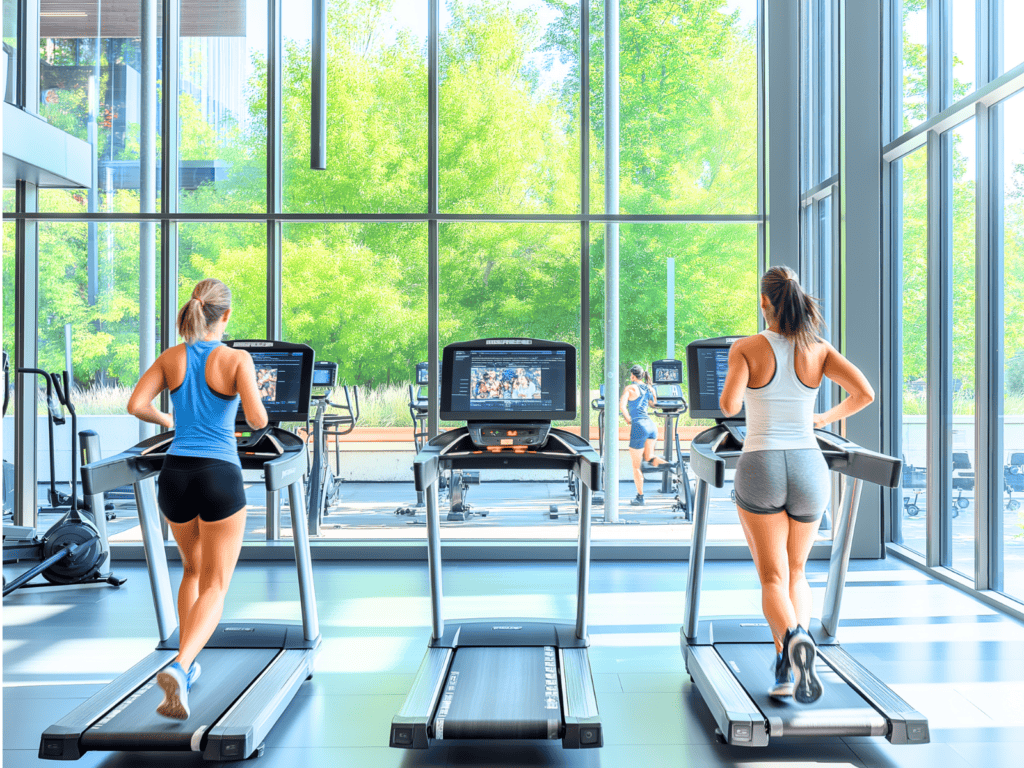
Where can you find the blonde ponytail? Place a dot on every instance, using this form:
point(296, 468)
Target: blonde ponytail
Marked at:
point(209, 301)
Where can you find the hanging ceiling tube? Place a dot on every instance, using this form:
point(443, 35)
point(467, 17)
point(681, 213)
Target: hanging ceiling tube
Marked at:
point(318, 113)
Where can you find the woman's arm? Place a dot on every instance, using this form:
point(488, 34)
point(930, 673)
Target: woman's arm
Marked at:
point(249, 391)
point(731, 400)
point(848, 376)
point(151, 384)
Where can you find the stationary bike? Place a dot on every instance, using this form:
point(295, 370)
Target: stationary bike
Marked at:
point(73, 550)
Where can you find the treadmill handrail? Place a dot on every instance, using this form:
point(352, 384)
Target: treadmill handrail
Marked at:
point(843, 456)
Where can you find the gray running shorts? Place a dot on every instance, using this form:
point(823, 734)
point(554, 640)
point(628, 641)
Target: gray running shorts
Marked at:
point(794, 482)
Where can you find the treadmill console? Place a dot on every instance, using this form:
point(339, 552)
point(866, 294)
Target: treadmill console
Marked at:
point(707, 363)
point(508, 391)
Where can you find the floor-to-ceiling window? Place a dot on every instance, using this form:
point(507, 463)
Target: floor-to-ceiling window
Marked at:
point(953, 163)
point(466, 135)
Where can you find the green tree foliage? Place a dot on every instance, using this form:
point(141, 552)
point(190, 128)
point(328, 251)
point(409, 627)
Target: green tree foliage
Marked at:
point(509, 143)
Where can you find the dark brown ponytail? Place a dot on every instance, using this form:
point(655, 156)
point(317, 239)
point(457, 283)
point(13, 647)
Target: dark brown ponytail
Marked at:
point(797, 314)
point(641, 373)
point(209, 301)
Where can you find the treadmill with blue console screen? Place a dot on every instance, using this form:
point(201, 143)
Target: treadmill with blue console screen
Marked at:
point(731, 660)
point(505, 678)
point(251, 669)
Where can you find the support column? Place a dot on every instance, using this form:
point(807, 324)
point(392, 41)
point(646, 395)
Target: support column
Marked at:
point(783, 133)
point(26, 334)
point(147, 195)
point(611, 262)
point(861, 184)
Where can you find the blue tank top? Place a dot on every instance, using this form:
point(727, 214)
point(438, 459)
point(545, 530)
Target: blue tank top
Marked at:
point(204, 420)
point(638, 408)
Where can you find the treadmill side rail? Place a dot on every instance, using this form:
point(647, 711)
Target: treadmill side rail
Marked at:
point(242, 729)
point(409, 728)
point(906, 724)
point(582, 720)
point(61, 740)
point(742, 724)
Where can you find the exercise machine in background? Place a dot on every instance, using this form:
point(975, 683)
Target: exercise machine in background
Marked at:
point(671, 405)
point(74, 550)
point(323, 489)
point(454, 485)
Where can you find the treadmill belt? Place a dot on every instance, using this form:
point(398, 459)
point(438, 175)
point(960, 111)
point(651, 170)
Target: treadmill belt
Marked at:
point(839, 712)
point(501, 693)
point(134, 724)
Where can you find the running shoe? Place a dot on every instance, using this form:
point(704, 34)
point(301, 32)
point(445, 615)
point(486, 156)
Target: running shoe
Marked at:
point(193, 674)
point(802, 653)
point(783, 687)
point(174, 682)
point(638, 501)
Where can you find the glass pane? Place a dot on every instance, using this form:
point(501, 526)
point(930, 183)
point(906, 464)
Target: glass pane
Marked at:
point(10, 16)
point(1013, 41)
point(90, 85)
point(235, 253)
point(963, 348)
point(915, 63)
point(817, 92)
point(1013, 348)
point(509, 107)
point(964, 44)
point(722, 259)
point(513, 280)
point(222, 119)
point(8, 291)
point(688, 107)
point(97, 291)
point(913, 256)
point(376, 109)
point(357, 294)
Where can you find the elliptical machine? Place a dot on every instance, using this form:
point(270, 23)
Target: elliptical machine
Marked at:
point(73, 550)
point(324, 486)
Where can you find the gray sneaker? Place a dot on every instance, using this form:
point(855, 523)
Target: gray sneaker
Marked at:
point(802, 653)
point(638, 501)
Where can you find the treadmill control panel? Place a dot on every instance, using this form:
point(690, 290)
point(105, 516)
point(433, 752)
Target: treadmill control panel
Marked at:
point(511, 436)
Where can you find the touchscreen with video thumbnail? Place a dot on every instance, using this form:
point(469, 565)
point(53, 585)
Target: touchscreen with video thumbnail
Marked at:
point(278, 377)
point(495, 381)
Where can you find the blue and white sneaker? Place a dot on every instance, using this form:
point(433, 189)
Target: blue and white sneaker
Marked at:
point(783, 687)
point(802, 653)
point(193, 674)
point(174, 682)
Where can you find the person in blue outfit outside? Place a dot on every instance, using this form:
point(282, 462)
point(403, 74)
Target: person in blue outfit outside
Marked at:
point(201, 492)
point(642, 433)
point(782, 481)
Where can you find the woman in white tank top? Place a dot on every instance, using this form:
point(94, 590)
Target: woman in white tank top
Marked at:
point(781, 481)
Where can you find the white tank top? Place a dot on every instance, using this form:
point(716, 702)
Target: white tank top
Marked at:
point(780, 415)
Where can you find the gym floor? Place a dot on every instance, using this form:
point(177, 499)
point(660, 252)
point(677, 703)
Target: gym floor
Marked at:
point(953, 658)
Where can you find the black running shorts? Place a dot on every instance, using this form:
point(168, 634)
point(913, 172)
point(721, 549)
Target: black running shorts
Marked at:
point(191, 487)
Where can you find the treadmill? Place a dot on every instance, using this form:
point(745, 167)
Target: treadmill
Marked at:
point(505, 678)
point(252, 669)
point(730, 660)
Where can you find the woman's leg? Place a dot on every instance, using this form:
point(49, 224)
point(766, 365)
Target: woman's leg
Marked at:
point(187, 537)
point(220, 545)
point(649, 456)
point(767, 536)
point(637, 455)
point(802, 536)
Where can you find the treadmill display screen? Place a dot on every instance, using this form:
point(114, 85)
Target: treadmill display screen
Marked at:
point(667, 371)
point(284, 376)
point(708, 365)
point(518, 382)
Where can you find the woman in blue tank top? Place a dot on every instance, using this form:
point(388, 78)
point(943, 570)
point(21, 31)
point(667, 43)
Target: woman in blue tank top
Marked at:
point(201, 492)
point(782, 481)
point(642, 432)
